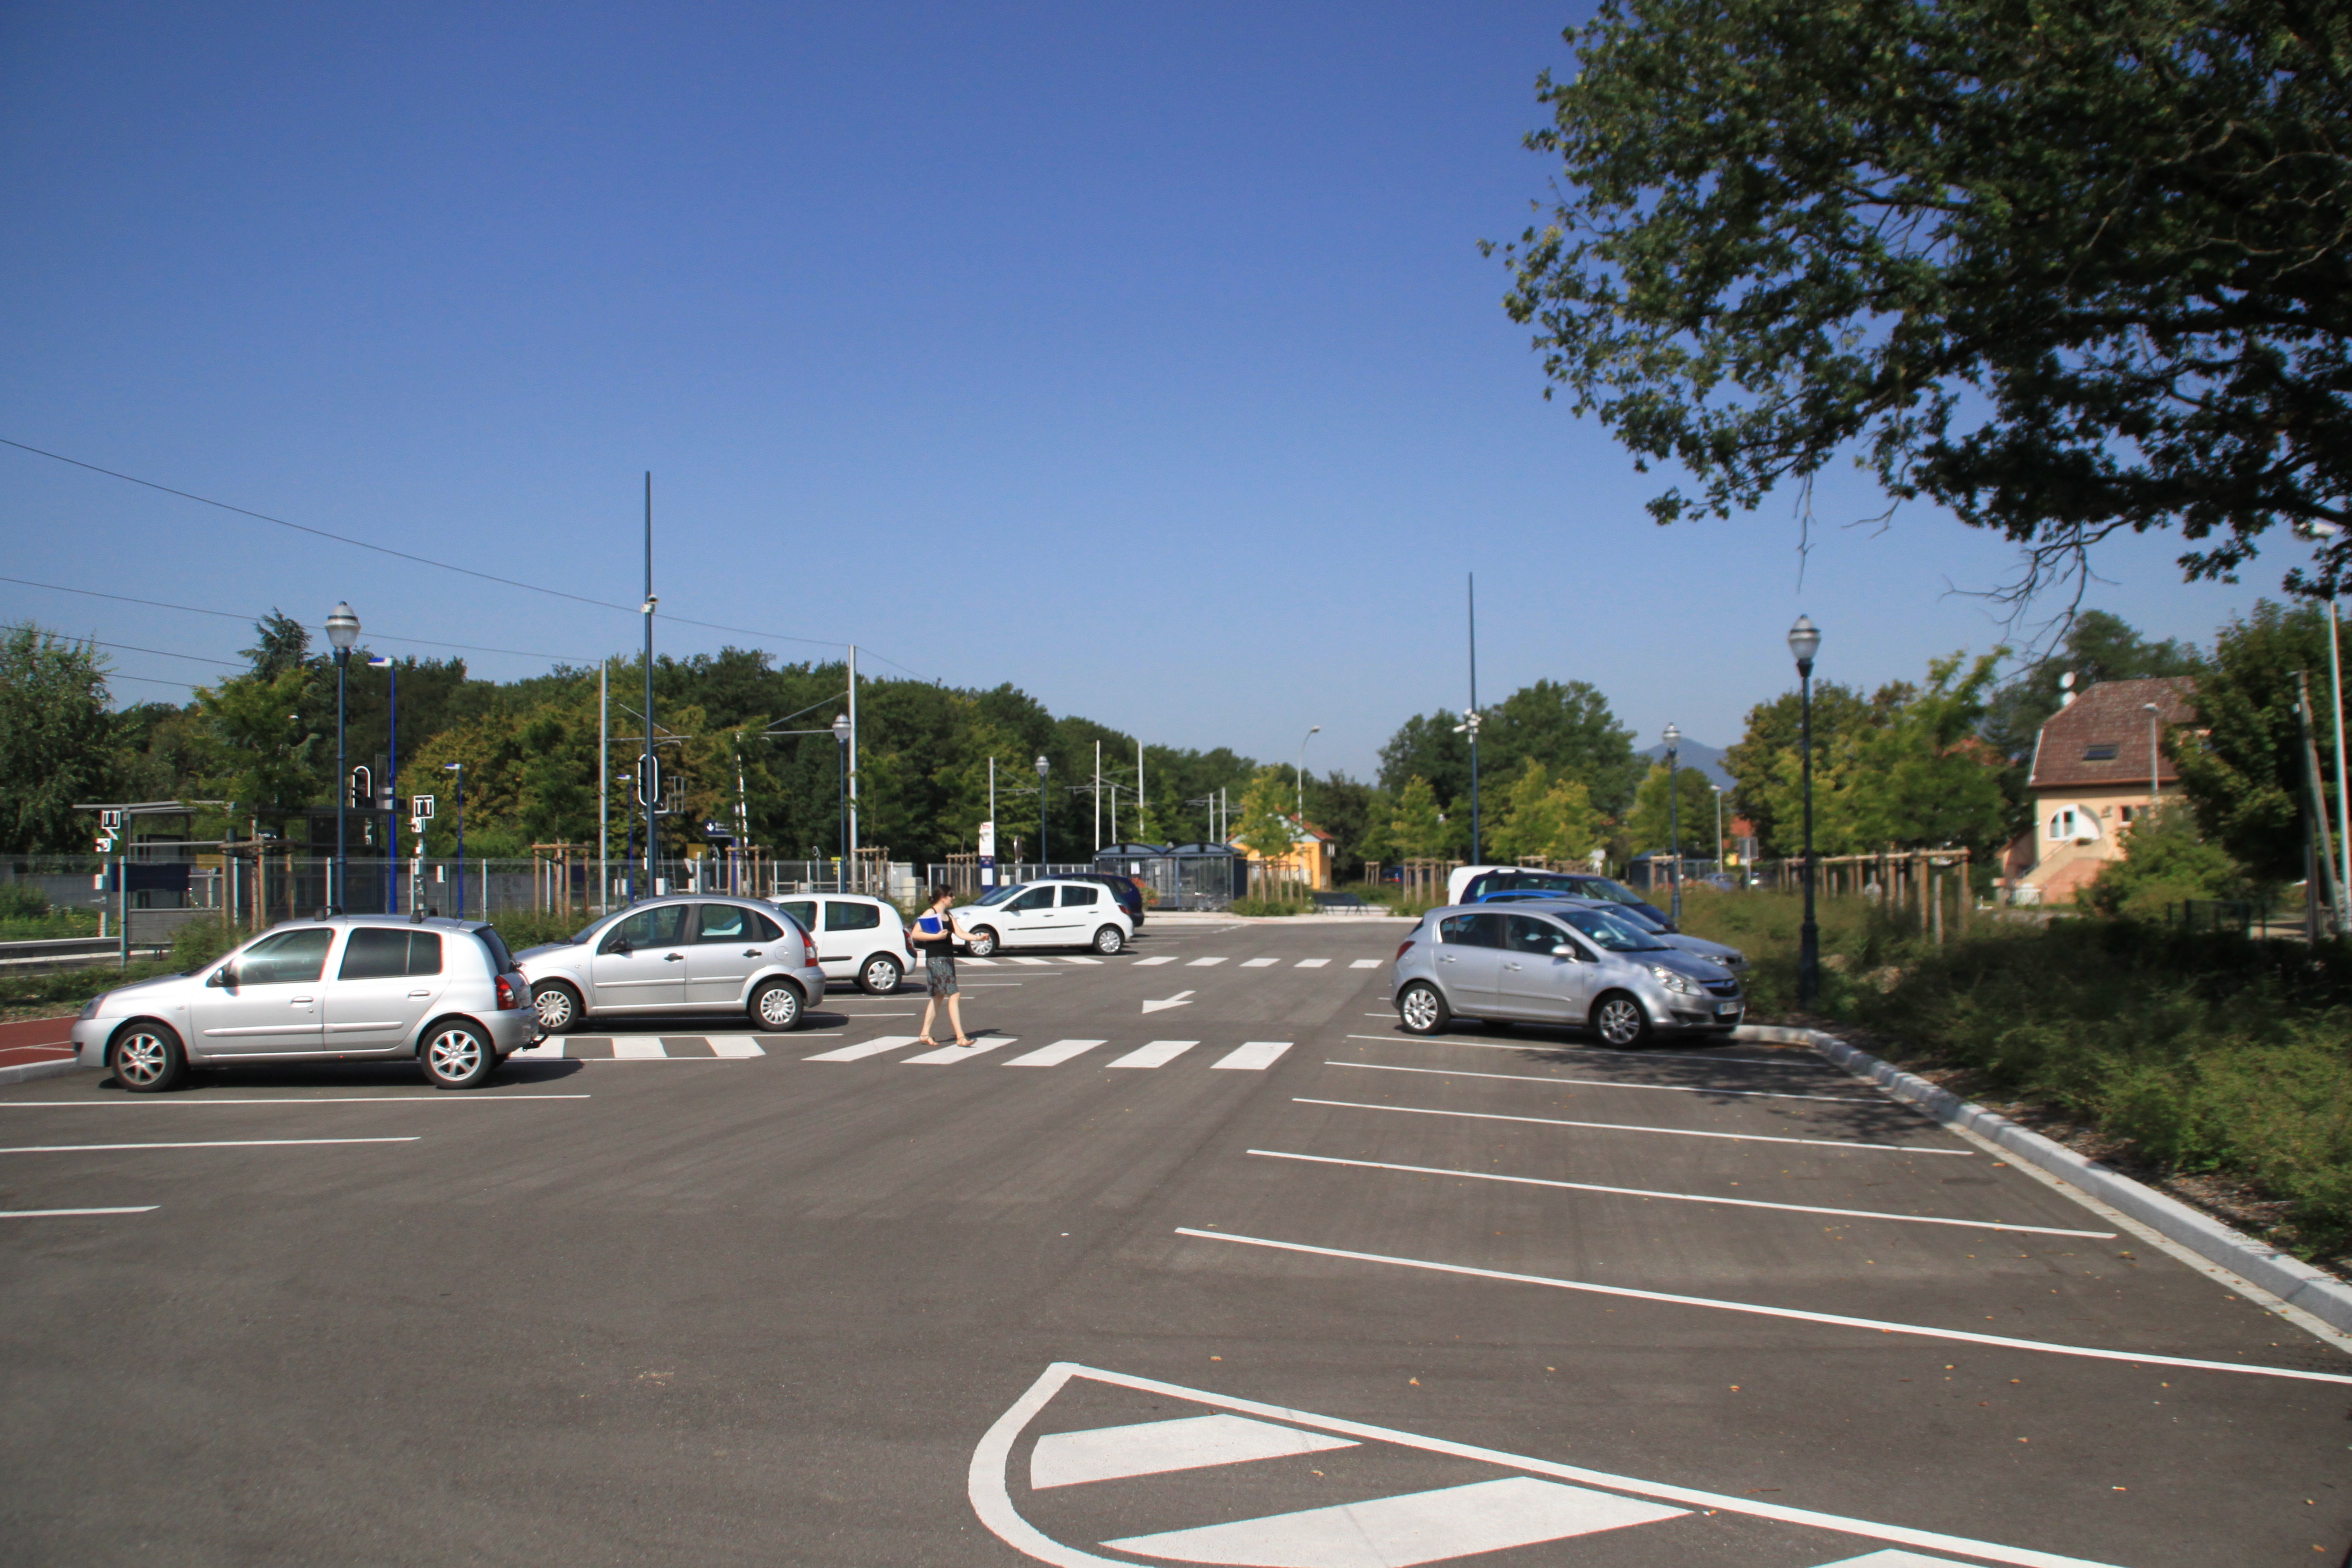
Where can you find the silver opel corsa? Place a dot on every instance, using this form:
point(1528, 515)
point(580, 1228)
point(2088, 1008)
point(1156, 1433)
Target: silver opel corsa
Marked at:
point(1557, 964)
point(344, 989)
point(694, 954)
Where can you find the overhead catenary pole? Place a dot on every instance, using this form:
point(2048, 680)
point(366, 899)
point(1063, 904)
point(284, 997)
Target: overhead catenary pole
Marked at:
point(1098, 795)
point(649, 768)
point(1142, 801)
point(603, 781)
point(852, 760)
point(1471, 719)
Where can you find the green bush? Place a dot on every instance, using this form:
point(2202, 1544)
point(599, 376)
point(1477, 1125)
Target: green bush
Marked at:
point(199, 942)
point(1273, 906)
point(22, 901)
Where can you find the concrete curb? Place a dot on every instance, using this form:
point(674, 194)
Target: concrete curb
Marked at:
point(2290, 1279)
point(25, 1072)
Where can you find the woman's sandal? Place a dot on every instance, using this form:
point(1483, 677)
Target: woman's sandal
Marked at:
point(963, 1042)
point(924, 1039)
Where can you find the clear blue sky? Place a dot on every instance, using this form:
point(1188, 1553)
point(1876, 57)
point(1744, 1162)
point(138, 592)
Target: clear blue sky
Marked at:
point(1140, 356)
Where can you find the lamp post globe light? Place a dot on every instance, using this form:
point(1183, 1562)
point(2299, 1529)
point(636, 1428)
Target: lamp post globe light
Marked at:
point(1673, 740)
point(841, 735)
point(1042, 766)
point(1804, 640)
point(342, 631)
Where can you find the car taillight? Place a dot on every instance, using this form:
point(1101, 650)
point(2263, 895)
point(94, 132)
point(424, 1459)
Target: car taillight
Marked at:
point(510, 995)
point(1401, 946)
point(808, 947)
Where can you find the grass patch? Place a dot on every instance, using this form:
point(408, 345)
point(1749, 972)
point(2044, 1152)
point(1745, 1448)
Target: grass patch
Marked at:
point(2200, 1053)
point(1273, 906)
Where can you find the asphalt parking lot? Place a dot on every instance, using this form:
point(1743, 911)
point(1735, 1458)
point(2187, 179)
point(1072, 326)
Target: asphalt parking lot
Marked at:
point(1187, 1261)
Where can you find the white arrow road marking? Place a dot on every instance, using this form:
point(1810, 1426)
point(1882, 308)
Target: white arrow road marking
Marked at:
point(1398, 1532)
point(1180, 999)
point(863, 1049)
point(986, 1483)
point(1111, 1453)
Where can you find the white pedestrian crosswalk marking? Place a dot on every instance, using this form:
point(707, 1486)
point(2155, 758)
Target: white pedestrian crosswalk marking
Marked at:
point(735, 1047)
point(984, 963)
point(637, 1050)
point(1203, 963)
point(1069, 958)
point(1156, 958)
point(1891, 1558)
point(949, 1055)
point(1365, 963)
point(1034, 963)
point(1113, 1453)
point(1311, 963)
point(1259, 963)
point(1157, 1054)
point(1253, 1055)
point(1398, 1532)
point(1055, 1054)
point(863, 1049)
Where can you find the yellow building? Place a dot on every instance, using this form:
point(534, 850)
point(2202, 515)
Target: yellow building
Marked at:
point(2098, 765)
point(1312, 862)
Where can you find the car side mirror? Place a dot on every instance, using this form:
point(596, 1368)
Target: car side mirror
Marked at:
point(225, 975)
point(1563, 951)
point(620, 947)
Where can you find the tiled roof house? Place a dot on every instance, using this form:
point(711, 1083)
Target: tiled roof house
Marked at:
point(2092, 777)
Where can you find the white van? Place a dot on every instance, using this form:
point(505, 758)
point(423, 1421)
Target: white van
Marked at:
point(859, 938)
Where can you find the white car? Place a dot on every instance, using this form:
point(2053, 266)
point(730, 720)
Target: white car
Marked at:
point(1047, 914)
point(858, 938)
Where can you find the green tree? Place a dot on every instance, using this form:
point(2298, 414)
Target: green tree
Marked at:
point(1648, 825)
point(54, 733)
point(281, 643)
point(1417, 829)
point(1554, 818)
point(1771, 803)
point(1566, 726)
point(1924, 778)
point(2064, 269)
point(259, 752)
point(1264, 825)
point(2241, 762)
point(2165, 860)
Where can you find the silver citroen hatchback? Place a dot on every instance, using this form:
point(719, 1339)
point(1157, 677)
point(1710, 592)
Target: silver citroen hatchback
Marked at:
point(1561, 964)
point(343, 989)
point(694, 954)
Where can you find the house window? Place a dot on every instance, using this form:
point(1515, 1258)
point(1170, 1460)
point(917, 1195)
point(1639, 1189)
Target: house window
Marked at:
point(2062, 823)
point(2104, 752)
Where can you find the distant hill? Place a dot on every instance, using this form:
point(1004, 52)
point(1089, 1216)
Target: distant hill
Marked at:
point(1691, 754)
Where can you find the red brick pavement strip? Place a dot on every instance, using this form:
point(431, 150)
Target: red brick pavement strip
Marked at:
point(34, 1032)
point(18, 1055)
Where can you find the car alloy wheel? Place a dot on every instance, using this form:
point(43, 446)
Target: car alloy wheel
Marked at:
point(880, 977)
point(457, 1056)
point(1421, 1009)
point(1109, 940)
point(558, 1007)
point(776, 1005)
point(983, 942)
point(147, 1059)
point(1619, 1019)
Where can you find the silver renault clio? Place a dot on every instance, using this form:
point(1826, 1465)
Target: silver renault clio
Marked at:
point(694, 954)
point(342, 989)
point(1560, 964)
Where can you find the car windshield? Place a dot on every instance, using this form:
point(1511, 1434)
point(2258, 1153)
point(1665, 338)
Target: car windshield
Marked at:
point(1635, 916)
point(998, 895)
point(1545, 882)
point(1609, 931)
point(1614, 892)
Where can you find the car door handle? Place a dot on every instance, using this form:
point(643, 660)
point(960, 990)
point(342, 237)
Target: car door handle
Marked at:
point(751, 952)
point(300, 1001)
point(1510, 966)
point(420, 993)
point(673, 958)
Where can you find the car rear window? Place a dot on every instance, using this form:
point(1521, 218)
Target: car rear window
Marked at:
point(844, 916)
point(501, 961)
point(1077, 897)
point(384, 953)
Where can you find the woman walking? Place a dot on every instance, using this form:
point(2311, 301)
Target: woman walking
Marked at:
point(936, 932)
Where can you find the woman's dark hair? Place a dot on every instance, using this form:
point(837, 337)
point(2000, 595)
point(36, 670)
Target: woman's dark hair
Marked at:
point(940, 895)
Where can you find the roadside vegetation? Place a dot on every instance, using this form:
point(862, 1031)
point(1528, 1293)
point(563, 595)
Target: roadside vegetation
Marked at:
point(2195, 1054)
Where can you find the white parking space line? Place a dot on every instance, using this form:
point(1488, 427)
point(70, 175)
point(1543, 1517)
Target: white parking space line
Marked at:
point(54, 1214)
point(625, 1049)
point(1114, 1453)
point(863, 1049)
point(1311, 963)
point(1252, 1055)
point(1610, 1083)
point(735, 1046)
point(1673, 1132)
point(1157, 958)
point(1683, 1197)
point(1418, 1527)
point(209, 1143)
point(1157, 1054)
point(1834, 1319)
point(949, 1055)
point(1602, 1050)
point(1259, 963)
point(1055, 1054)
point(478, 1097)
point(1203, 963)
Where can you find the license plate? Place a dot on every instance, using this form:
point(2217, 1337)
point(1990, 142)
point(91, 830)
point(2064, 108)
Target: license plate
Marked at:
point(1727, 1009)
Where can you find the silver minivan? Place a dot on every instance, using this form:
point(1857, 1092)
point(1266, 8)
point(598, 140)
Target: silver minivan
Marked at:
point(346, 988)
point(1557, 964)
point(691, 954)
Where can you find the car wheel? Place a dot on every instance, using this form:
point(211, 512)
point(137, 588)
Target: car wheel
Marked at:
point(147, 1059)
point(1422, 1009)
point(880, 976)
point(1619, 1019)
point(776, 1006)
point(1109, 940)
point(983, 942)
point(457, 1056)
point(558, 1005)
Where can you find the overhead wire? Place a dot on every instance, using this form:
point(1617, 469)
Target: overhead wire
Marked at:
point(421, 560)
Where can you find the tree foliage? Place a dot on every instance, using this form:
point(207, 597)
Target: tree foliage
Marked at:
point(2165, 860)
point(1565, 725)
point(1542, 815)
point(1417, 827)
point(2241, 762)
point(1651, 826)
point(1265, 826)
point(2063, 268)
point(54, 730)
point(1773, 736)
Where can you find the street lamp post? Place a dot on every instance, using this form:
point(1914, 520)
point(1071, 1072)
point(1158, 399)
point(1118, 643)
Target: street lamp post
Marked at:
point(1302, 775)
point(458, 768)
point(1719, 856)
point(342, 631)
point(1804, 640)
point(841, 736)
point(1042, 765)
point(389, 791)
point(1673, 739)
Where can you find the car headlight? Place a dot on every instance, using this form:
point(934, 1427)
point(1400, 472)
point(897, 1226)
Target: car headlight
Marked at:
point(90, 1008)
point(1675, 980)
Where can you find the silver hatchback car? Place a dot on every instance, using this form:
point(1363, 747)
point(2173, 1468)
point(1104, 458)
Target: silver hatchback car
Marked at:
point(1558, 964)
point(343, 989)
point(680, 955)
